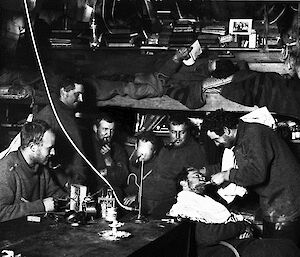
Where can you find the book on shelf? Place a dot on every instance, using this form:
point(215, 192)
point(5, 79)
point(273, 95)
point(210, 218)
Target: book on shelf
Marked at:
point(208, 39)
point(216, 32)
point(60, 42)
point(119, 40)
point(117, 30)
point(182, 29)
point(214, 29)
point(182, 38)
point(120, 44)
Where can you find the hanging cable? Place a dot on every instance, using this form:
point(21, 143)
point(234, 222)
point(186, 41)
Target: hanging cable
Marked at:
point(55, 112)
point(103, 17)
point(113, 10)
point(141, 190)
point(278, 16)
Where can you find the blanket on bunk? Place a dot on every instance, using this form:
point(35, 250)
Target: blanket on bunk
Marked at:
point(185, 89)
point(187, 92)
point(270, 89)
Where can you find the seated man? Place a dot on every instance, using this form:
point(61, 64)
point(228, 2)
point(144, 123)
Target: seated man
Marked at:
point(182, 151)
point(145, 157)
point(217, 231)
point(25, 183)
point(109, 157)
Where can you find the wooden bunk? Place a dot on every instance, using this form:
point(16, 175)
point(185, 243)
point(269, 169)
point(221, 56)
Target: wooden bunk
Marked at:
point(214, 101)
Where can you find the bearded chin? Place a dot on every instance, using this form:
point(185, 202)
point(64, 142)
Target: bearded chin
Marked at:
point(106, 139)
point(198, 189)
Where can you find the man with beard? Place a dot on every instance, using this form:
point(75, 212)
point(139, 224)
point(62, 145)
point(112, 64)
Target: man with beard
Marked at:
point(181, 152)
point(69, 166)
point(265, 164)
point(145, 158)
point(219, 232)
point(25, 183)
point(109, 157)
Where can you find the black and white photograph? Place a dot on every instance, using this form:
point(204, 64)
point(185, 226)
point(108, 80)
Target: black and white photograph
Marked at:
point(149, 128)
point(240, 26)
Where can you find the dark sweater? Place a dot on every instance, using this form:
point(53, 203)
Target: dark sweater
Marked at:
point(117, 172)
point(18, 180)
point(172, 160)
point(266, 163)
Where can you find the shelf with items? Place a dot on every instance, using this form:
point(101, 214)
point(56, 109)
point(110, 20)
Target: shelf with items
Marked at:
point(14, 112)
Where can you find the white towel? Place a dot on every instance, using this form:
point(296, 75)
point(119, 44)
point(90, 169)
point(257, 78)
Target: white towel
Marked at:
point(261, 116)
point(201, 208)
point(229, 192)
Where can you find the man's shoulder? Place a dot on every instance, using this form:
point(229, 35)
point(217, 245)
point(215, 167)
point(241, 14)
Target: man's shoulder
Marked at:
point(9, 163)
point(44, 113)
point(250, 128)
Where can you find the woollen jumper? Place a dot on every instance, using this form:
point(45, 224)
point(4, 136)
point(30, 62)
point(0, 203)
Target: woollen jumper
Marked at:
point(20, 181)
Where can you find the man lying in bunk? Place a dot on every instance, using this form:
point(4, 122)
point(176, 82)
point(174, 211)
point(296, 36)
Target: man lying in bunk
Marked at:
point(186, 88)
point(218, 231)
point(278, 92)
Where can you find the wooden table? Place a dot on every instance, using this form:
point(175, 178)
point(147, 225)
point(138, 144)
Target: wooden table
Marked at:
point(58, 238)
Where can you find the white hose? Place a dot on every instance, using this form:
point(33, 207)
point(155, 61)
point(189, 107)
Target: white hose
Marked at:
point(55, 112)
point(231, 247)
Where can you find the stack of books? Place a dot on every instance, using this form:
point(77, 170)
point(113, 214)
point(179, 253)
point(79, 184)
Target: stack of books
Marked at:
point(208, 40)
point(61, 38)
point(60, 42)
point(183, 34)
point(214, 29)
point(119, 40)
point(183, 26)
point(164, 17)
point(182, 39)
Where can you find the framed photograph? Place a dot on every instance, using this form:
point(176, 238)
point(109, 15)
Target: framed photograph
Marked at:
point(240, 26)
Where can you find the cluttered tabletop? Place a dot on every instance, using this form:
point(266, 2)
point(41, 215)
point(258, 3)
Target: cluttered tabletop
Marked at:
point(52, 235)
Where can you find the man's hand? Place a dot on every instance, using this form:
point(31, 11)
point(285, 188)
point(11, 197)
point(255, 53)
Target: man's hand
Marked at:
point(220, 177)
point(108, 161)
point(105, 149)
point(103, 172)
point(182, 54)
point(202, 171)
point(129, 200)
point(248, 233)
point(49, 204)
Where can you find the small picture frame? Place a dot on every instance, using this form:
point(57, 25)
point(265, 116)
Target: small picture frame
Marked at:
point(240, 26)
